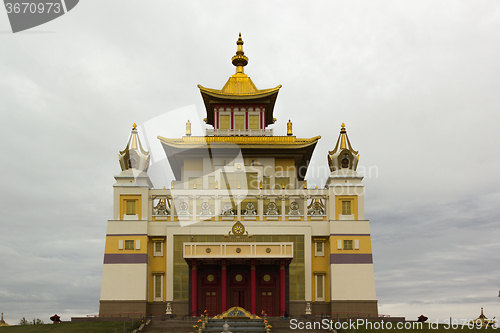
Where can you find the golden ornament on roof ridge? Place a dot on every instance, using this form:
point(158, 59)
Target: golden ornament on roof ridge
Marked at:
point(239, 60)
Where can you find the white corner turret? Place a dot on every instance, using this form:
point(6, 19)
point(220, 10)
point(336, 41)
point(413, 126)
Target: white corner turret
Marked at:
point(134, 156)
point(134, 162)
point(343, 158)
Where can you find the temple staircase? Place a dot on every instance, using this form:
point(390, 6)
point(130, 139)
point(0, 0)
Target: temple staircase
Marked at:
point(235, 320)
point(165, 324)
point(235, 326)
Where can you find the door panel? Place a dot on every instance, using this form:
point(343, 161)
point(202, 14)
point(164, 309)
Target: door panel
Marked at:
point(266, 304)
point(239, 298)
point(211, 303)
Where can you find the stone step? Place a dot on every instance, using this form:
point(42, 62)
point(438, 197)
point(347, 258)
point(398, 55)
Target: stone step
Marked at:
point(235, 325)
point(170, 326)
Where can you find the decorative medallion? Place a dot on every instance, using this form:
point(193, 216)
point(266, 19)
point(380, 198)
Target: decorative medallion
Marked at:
point(238, 228)
point(250, 209)
point(268, 250)
point(210, 278)
point(267, 278)
point(238, 250)
point(208, 250)
point(294, 208)
point(228, 209)
point(272, 209)
point(238, 278)
point(183, 207)
point(205, 209)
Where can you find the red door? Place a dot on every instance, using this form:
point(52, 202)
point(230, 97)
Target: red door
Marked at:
point(211, 303)
point(239, 298)
point(266, 302)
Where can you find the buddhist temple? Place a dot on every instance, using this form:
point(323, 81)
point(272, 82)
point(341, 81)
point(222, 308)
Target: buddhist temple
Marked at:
point(239, 226)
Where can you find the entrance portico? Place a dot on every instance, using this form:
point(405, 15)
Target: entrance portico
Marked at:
point(249, 275)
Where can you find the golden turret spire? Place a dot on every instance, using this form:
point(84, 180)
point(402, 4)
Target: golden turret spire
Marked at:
point(134, 156)
point(239, 60)
point(342, 134)
point(343, 155)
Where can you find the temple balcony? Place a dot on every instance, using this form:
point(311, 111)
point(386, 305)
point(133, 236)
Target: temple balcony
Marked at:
point(239, 132)
point(239, 205)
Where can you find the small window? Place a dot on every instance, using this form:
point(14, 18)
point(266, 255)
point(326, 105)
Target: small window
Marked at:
point(224, 122)
point(346, 208)
point(131, 207)
point(158, 283)
point(356, 244)
point(320, 288)
point(347, 244)
point(158, 249)
point(253, 122)
point(252, 180)
point(129, 245)
point(239, 122)
point(320, 249)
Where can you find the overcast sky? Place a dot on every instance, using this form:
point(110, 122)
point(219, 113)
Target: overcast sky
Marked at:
point(416, 83)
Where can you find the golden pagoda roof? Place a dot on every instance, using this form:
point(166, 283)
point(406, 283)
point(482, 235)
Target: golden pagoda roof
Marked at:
point(300, 150)
point(266, 142)
point(239, 88)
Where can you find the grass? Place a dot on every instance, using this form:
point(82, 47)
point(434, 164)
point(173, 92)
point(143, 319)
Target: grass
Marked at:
point(109, 327)
point(99, 327)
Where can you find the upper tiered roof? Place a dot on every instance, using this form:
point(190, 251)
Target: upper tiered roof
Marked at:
point(239, 89)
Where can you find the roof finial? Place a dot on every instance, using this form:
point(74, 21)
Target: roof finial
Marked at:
point(342, 135)
point(239, 60)
point(289, 128)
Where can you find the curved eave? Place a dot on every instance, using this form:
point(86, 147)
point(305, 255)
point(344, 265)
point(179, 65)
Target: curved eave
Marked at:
point(299, 149)
point(265, 96)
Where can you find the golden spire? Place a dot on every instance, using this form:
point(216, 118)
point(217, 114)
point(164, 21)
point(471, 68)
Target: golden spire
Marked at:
point(342, 133)
point(239, 60)
point(289, 128)
point(188, 128)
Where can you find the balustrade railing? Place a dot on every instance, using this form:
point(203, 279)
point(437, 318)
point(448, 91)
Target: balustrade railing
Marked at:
point(239, 132)
point(218, 205)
